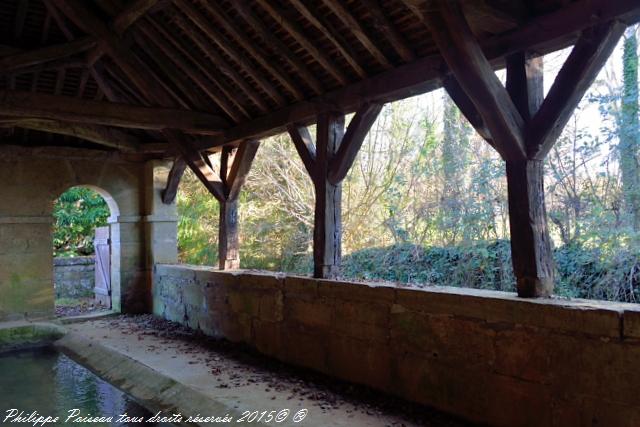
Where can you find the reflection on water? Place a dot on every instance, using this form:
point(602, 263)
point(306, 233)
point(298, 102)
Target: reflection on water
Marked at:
point(50, 383)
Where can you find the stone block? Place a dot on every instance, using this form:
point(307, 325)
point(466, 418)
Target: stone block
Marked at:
point(244, 301)
point(349, 291)
point(316, 314)
point(260, 280)
point(301, 288)
point(268, 338)
point(523, 353)
point(305, 348)
point(360, 361)
point(236, 327)
point(364, 320)
point(590, 317)
point(631, 322)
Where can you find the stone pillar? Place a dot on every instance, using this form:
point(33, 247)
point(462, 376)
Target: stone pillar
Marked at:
point(160, 222)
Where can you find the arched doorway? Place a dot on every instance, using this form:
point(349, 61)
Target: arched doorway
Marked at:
point(86, 261)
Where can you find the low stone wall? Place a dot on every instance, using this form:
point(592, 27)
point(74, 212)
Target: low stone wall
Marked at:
point(74, 277)
point(487, 356)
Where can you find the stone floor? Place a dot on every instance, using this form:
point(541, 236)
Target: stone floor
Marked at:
point(244, 380)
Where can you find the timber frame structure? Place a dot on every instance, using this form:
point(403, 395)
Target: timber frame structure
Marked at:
point(183, 79)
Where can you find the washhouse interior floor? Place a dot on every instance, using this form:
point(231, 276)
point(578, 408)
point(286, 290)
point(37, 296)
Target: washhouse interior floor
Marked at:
point(243, 380)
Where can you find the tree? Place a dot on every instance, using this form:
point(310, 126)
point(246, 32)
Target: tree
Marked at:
point(77, 213)
point(629, 129)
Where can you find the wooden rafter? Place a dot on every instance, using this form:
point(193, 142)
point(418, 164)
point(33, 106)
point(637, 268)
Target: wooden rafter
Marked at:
point(240, 167)
point(303, 142)
point(21, 15)
point(388, 29)
point(426, 73)
point(474, 73)
point(131, 65)
point(97, 134)
point(340, 10)
point(227, 100)
point(184, 92)
point(224, 44)
point(280, 16)
point(280, 48)
point(341, 162)
point(127, 62)
point(43, 55)
point(173, 181)
point(220, 62)
point(32, 105)
point(132, 12)
point(575, 77)
point(254, 50)
point(332, 34)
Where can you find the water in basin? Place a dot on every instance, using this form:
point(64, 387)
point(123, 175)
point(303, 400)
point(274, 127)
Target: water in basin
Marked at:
point(51, 384)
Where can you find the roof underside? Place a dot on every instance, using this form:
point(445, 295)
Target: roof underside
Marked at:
point(257, 65)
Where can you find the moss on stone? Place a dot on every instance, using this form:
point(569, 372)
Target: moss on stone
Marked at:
point(29, 335)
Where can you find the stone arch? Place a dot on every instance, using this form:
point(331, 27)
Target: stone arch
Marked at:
point(114, 231)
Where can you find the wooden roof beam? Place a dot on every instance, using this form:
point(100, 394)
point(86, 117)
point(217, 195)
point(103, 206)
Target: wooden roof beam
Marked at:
point(173, 181)
point(245, 11)
point(97, 134)
point(303, 142)
point(221, 63)
point(242, 160)
point(343, 14)
point(32, 105)
point(131, 13)
point(426, 73)
point(227, 101)
point(250, 46)
point(474, 73)
point(341, 162)
point(390, 32)
point(41, 56)
point(225, 44)
point(281, 17)
point(575, 77)
point(332, 34)
point(83, 17)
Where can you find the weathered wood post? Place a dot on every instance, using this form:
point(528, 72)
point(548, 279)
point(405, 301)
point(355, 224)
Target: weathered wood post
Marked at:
point(225, 187)
point(232, 178)
point(328, 163)
point(531, 252)
point(519, 123)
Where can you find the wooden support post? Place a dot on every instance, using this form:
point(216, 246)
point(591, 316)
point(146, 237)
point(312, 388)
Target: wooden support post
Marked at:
point(228, 237)
point(530, 245)
point(519, 123)
point(327, 232)
point(328, 163)
point(233, 173)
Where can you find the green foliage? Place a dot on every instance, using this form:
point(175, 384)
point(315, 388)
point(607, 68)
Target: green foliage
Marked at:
point(77, 212)
point(425, 202)
point(483, 265)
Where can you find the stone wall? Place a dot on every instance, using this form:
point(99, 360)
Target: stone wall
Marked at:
point(143, 230)
point(74, 277)
point(487, 356)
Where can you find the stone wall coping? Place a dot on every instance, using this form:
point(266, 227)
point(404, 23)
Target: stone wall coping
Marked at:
point(79, 260)
point(592, 317)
